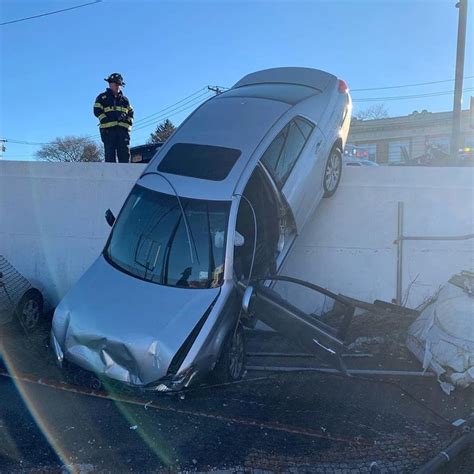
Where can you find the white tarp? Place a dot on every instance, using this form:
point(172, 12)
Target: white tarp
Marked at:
point(442, 337)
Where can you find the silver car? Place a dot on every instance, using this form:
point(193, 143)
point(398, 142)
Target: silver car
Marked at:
point(219, 205)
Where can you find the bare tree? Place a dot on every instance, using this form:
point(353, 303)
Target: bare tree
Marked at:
point(376, 111)
point(162, 132)
point(70, 149)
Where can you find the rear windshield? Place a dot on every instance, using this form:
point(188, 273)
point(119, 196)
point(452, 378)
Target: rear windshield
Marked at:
point(199, 161)
point(289, 93)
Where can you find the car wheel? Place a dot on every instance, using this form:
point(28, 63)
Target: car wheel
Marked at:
point(30, 310)
point(231, 364)
point(332, 172)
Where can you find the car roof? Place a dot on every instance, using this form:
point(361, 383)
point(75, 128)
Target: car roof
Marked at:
point(232, 123)
point(290, 93)
point(242, 121)
point(304, 76)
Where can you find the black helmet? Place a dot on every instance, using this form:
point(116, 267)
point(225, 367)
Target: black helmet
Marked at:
point(115, 77)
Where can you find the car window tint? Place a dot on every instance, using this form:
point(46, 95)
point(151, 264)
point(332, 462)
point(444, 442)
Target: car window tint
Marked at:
point(304, 126)
point(150, 239)
point(283, 152)
point(294, 143)
point(199, 161)
point(272, 154)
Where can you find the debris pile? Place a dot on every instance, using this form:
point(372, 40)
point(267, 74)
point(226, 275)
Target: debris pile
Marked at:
point(442, 337)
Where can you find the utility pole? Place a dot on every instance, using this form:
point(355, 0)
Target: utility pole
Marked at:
point(216, 89)
point(461, 46)
point(471, 113)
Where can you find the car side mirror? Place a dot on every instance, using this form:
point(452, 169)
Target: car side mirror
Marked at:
point(109, 217)
point(247, 298)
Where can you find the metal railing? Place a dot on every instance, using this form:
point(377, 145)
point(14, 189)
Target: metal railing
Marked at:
point(401, 238)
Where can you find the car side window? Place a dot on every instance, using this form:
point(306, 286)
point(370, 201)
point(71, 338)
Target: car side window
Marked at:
point(273, 152)
point(304, 127)
point(282, 154)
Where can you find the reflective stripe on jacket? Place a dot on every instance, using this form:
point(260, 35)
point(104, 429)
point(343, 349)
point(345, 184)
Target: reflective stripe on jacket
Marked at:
point(113, 111)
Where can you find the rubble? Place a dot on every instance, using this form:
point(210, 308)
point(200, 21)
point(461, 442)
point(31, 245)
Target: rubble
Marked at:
point(442, 338)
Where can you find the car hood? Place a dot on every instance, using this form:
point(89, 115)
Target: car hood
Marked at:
point(125, 328)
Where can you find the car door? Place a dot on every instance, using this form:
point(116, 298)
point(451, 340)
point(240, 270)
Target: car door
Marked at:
point(291, 159)
point(326, 342)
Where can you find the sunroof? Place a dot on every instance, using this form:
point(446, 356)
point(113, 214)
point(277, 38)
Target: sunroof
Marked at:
point(199, 161)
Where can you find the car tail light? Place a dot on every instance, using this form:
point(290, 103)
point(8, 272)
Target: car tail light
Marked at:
point(343, 87)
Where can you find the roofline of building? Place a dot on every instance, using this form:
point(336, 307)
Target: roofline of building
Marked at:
point(415, 119)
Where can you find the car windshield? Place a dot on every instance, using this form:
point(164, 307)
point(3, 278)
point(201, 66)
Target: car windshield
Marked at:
point(150, 239)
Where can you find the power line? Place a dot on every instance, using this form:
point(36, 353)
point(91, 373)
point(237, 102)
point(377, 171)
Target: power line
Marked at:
point(23, 142)
point(413, 96)
point(406, 85)
point(191, 103)
point(414, 120)
point(194, 105)
point(191, 106)
point(398, 97)
point(49, 13)
point(170, 106)
point(163, 113)
point(198, 97)
point(201, 93)
point(401, 86)
point(216, 89)
point(186, 103)
point(171, 112)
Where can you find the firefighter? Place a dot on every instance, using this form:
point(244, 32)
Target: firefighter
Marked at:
point(115, 114)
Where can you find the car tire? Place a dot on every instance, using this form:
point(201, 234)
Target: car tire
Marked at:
point(29, 310)
point(231, 364)
point(332, 172)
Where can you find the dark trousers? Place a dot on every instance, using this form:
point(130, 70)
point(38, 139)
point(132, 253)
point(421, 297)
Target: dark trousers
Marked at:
point(116, 142)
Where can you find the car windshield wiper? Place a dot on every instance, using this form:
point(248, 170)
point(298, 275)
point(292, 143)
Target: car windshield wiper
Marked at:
point(212, 263)
point(167, 254)
point(191, 240)
point(144, 237)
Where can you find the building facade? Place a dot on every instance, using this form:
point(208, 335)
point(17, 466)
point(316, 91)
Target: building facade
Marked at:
point(397, 139)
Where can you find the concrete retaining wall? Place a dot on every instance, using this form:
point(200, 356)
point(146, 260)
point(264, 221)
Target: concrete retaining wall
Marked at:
point(52, 226)
point(349, 247)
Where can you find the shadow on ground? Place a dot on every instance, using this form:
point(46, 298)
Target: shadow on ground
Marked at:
point(288, 422)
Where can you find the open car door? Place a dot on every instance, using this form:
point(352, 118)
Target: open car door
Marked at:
point(323, 341)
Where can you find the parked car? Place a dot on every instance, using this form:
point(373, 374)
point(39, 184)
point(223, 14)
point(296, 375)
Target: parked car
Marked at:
point(354, 152)
point(144, 153)
point(358, 162)
point(19, 300)
point(220, 205)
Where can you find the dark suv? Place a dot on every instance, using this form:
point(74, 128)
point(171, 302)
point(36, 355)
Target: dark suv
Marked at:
point(144, 153)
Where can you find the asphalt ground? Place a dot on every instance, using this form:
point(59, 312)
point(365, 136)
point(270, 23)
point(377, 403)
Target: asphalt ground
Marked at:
point(274, 422)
